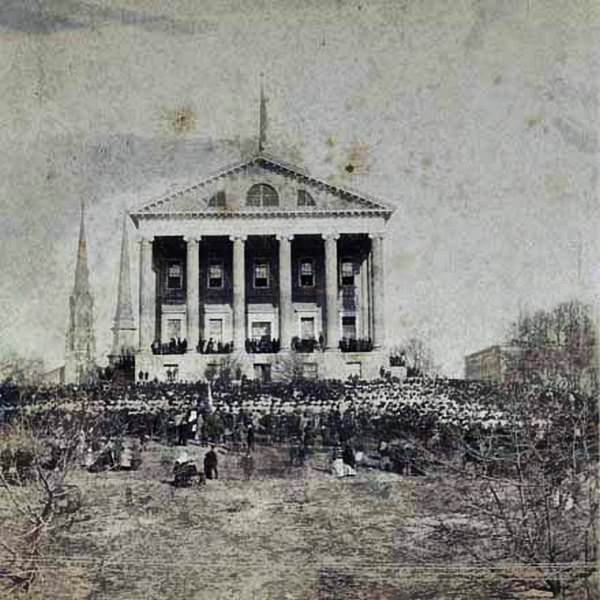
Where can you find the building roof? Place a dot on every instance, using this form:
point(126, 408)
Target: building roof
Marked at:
point(193, 200)
point(501, 348)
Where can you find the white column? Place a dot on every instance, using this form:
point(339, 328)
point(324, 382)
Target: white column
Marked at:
point(192, 293)
point(331, 291)
point(370, 288)
point(377, 252)
point(286, 308)
point(239, 292)
point(147, 294)
point(364, 299)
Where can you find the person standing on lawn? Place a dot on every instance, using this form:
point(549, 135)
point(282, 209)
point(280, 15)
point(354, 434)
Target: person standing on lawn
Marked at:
point(211, 463)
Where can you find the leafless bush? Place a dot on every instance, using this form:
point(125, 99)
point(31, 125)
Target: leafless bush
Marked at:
point(36, 502)
point(530, 493)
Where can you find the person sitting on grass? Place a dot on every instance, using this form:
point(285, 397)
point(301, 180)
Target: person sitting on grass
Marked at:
point(184, 470)
point(337, 464)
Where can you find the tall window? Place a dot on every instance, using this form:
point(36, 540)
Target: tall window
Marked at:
point(173, 328)
point(215, 275)
point(305, 199)
point(217, 200)
point(174, 275)
point(215, 329)
point(307, 272)
point(307, 328)
point(261, 273)
point(261, 330)
point(349, 328)
point(348, 271)
point(263, 195)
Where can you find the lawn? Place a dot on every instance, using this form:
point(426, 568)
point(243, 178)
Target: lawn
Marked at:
point(288, 533)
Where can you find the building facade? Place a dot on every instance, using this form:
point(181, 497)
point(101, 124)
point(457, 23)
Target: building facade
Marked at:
point(494, 364)
point(266, 269)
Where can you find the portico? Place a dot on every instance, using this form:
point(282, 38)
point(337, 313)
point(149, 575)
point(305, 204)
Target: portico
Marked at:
point(266, 269)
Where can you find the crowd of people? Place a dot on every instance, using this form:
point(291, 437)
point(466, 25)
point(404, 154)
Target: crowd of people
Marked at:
point(351, 418)
point(317, 411)
point(173, 346)
point(257, 346)
point(180, 346)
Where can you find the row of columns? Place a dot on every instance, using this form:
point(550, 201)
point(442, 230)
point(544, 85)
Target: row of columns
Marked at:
point(147, 291)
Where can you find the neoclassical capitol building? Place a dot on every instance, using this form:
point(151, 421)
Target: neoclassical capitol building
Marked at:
point(262, 267)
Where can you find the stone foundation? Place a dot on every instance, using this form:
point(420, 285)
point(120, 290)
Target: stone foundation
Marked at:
point(279, 366)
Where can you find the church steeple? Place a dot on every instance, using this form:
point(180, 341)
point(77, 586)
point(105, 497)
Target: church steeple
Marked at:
point(123, 328)
point(82, 280)
point(124, 312)
point(80, 346)
point(262, 117)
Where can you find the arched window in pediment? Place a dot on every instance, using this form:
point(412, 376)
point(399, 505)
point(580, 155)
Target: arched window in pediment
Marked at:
point(217, 200)
point(262, 195)
point(305, 199)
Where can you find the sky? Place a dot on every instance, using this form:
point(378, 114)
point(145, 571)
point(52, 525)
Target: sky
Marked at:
point(478, 120)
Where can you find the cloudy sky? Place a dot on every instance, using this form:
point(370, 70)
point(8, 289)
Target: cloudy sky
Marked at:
point(477, 119)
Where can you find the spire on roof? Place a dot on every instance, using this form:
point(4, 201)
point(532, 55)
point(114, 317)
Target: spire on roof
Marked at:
point(124, 312)
point(82, 283)
point(262, 117)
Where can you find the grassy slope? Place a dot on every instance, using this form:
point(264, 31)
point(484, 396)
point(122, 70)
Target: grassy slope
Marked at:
point(287, 533)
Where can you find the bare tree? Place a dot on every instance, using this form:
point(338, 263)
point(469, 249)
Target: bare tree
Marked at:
point(288, 368)
point(36, 502)
point(555, 347)
point(228, 369)
point(419, 357)
point(529, 490)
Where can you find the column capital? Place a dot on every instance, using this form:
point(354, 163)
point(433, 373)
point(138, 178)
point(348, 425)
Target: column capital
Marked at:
point(192, 238)
point(330, 236)
point(380, 235)
point(141, 239)
point(239, 238)
point(284, 236)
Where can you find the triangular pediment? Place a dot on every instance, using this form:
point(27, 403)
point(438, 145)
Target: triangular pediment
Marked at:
point(262, 185)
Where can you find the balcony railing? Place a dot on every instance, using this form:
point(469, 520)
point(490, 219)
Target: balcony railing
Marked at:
point(307, 345)
point(356, 345)
point(203, 347)
point(214, 347)
point(172, 347)
point(262, 346)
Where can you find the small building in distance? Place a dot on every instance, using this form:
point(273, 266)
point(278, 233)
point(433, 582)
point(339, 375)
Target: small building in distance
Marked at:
point(493, 364)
